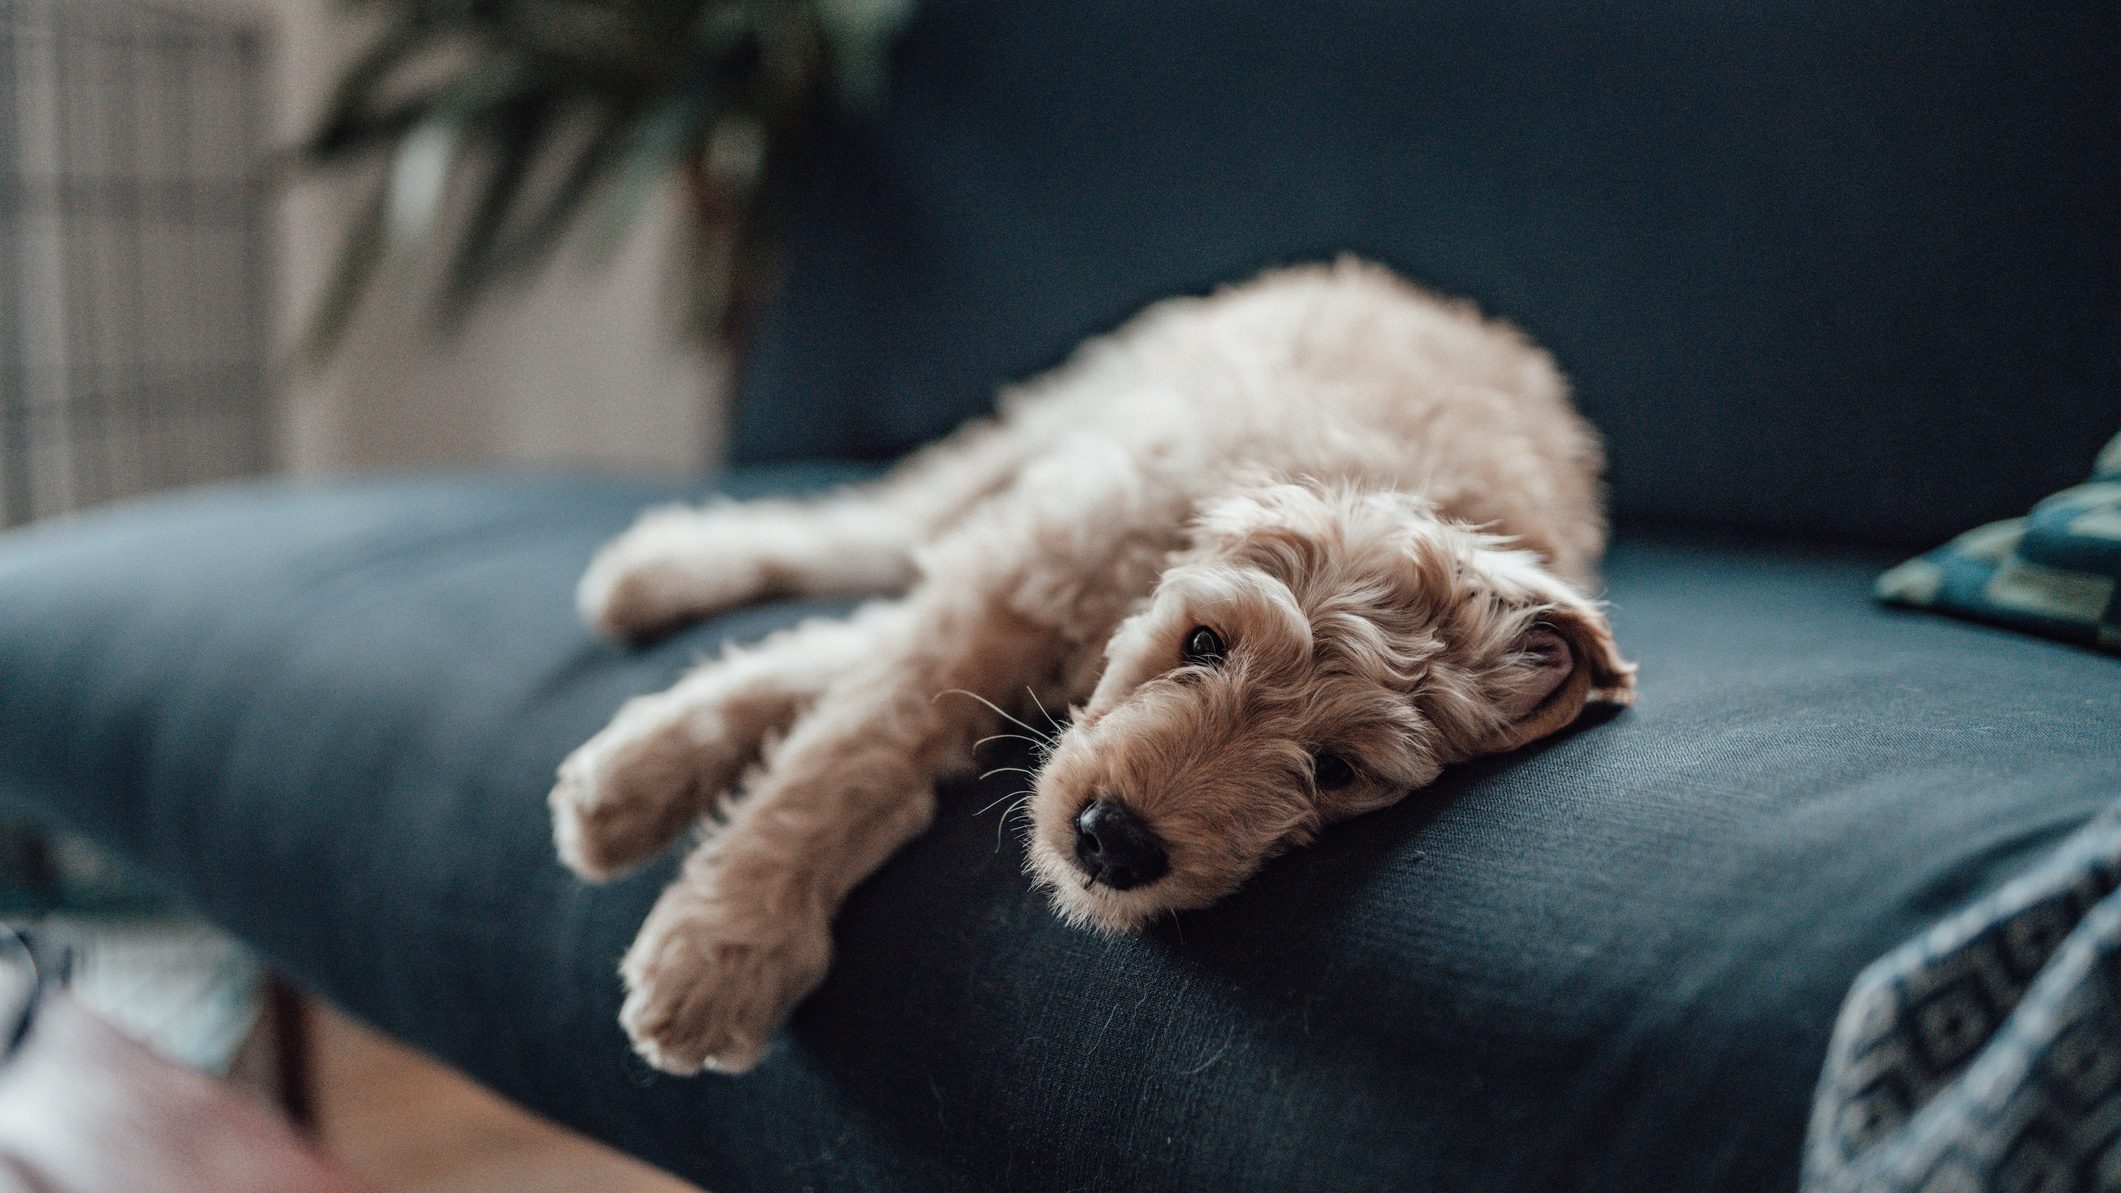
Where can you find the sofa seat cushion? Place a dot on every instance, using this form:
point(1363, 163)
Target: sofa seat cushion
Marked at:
point(327, 716)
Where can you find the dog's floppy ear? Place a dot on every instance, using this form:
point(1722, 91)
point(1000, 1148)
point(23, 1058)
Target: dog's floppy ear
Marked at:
point(1556, 665)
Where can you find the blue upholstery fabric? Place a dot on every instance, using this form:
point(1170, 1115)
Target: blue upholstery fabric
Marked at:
point(1833, 269)
point(328, 715)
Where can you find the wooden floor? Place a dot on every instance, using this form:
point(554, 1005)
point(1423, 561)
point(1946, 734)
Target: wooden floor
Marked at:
point(413, 1126)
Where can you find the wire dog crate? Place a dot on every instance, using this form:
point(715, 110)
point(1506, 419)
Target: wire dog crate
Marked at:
point(134, 348)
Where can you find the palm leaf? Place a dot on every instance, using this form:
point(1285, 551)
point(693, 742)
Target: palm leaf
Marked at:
point(514, 136)
point(355, 266)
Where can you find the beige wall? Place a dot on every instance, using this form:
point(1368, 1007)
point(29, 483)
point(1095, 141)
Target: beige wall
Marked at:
point(586, 365)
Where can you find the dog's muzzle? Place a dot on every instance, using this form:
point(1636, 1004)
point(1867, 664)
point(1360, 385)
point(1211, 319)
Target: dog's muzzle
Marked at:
point(1115, 847)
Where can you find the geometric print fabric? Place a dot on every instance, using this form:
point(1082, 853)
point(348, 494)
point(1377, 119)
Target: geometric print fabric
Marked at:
point(1986, 1054)
point(2056, 571)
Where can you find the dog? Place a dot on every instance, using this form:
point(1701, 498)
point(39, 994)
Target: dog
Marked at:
point(1285, 552)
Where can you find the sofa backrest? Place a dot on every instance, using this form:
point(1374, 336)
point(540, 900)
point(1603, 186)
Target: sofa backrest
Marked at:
point(1850, 270)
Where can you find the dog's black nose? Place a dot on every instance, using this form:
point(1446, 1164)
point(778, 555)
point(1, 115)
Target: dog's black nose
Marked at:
point(1116, 848)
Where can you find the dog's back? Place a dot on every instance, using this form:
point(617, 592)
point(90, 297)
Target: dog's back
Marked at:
point(1344, 372)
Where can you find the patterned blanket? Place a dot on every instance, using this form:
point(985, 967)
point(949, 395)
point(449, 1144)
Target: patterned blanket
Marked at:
point(2056, 571)
point(1986, 1055)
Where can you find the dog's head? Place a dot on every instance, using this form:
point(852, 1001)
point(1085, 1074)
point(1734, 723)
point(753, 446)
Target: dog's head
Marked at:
point(1314, 654)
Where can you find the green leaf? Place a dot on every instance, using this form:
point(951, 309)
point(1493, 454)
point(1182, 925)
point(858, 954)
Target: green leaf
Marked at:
point(515, 136)
point(348, 121)
point(540, 233)
point(356, 266)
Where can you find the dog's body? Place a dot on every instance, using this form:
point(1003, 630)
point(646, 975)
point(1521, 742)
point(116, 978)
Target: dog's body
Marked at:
point(1286, 551)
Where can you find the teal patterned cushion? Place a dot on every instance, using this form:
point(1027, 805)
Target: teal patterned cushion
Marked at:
point(2056, 571)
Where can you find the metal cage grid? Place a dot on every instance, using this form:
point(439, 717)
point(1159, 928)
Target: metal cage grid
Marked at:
point(134, 347)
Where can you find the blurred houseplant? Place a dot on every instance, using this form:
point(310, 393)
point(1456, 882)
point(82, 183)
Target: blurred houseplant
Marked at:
point(499, 124)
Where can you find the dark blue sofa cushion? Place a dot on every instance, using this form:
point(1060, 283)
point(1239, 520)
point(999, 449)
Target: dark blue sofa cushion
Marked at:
point(1819, 267)
point(328, 716)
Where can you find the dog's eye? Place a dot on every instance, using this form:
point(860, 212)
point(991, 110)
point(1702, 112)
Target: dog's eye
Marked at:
point(1204, 647)
point(1331, 770)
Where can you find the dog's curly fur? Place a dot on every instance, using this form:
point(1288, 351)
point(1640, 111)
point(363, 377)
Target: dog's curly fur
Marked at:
point(1382, 504)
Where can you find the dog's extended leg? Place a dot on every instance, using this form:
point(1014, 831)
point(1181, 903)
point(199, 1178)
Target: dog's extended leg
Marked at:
point(667, 759)
point(743, 934)
point(680, 563)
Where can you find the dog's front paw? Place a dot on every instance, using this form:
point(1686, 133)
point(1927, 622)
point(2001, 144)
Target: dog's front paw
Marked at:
point(610, 812)
point(637, 785)
point(673, 566)
point(710, 979)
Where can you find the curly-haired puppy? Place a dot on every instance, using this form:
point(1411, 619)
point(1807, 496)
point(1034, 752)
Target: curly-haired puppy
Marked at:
point(1286, 552)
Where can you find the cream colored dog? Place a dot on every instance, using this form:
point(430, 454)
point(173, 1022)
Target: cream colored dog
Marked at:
point(1286, 552)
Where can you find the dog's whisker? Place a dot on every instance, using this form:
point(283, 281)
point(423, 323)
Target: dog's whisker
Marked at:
point(1001, 712)
point(1033, 693)
point(1042, 745)
point(1002, 825)
point(998, 803)
point(1003, 770)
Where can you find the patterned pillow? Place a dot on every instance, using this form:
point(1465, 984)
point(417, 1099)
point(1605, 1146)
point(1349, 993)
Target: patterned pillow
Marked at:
point(2056, 571)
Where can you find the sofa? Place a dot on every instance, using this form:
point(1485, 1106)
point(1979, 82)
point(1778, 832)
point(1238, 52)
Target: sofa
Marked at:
point(1835, 281)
